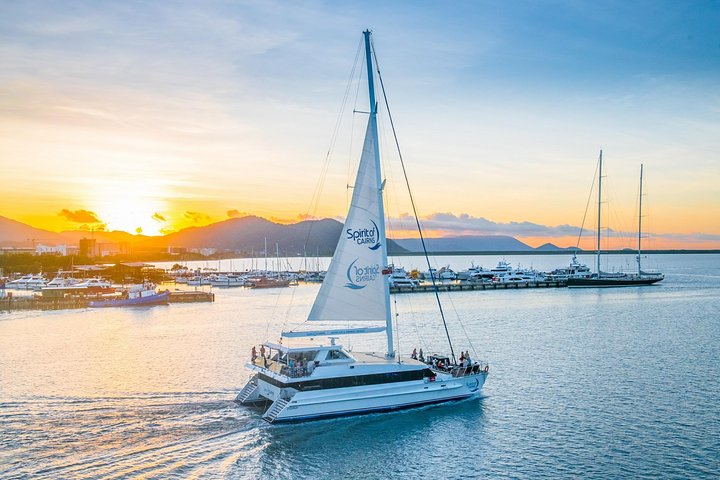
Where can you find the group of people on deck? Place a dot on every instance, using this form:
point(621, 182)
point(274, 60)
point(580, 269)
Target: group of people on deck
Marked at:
point(465, 360)
point(296, 367)
point(254, 355)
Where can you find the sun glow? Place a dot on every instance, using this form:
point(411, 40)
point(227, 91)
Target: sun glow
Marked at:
point(130, 207)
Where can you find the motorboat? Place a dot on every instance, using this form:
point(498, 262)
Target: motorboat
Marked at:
point(144, 294)
point(28, 282)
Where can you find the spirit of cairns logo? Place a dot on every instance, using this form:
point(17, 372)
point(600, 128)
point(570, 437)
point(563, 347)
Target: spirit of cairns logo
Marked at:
point(358, 276)
point(365, 236)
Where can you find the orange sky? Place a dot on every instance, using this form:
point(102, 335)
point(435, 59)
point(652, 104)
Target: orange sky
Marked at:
point(234, 111)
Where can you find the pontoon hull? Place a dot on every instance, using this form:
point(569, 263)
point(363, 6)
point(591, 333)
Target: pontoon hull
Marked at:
point(317, 404)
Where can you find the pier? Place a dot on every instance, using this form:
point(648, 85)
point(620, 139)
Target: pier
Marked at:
point(37, 302)
point(461, 287)
point(185, 296)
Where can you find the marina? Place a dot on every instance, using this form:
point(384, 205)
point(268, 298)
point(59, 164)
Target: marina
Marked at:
point(328, 240)
point(178, 415)
point(473, 286)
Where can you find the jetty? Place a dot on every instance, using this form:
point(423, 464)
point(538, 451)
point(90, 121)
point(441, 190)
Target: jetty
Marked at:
point(38, 302)
point(462, 287)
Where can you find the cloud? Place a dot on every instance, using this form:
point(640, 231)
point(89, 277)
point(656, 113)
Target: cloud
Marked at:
point(235, 213)
point(448, 224)
point(80, 216)
point(196, 217)
point(300, 217)
point(158, 218)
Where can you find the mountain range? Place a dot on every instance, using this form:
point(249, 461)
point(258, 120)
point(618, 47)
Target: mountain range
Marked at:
point(248, 234)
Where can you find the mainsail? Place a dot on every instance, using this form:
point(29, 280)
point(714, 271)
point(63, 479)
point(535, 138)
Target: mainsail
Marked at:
point(355, 288)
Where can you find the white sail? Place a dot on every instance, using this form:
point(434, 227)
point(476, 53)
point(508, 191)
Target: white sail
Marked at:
point(355, 288)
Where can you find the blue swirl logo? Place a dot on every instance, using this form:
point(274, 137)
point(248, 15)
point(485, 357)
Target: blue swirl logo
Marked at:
point(359, 277)
point(365, 236)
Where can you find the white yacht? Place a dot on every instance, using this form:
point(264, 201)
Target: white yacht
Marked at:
point(228, 280)
point(574, 270)
point(401, 278)
point(62, 280)
point(28, 282)
point(94, 284)
point(310, 381)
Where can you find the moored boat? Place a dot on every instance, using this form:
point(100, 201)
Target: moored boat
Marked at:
point(137, 295)
point(604, 279)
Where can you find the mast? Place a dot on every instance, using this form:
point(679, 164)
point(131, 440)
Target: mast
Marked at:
point(599, 210)
point(266, 270)
point(640, 220)
point(381, 226)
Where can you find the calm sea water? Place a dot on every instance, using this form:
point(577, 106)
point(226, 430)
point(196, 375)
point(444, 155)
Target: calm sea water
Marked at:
point(584, 383)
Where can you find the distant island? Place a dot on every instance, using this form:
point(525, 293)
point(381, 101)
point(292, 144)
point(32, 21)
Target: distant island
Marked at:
point(247, 237)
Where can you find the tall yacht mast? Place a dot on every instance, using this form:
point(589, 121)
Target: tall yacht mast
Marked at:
point(599, 210)
point(381, 226)
point(640, 220)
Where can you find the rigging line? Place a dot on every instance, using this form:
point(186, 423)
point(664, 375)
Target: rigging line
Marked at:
point(397, 330)
point(287, 312)
point(467, 337)
point(267, 324)
point(315, 199)
point(412, 202)
point(351, 164)
point(423, 344)
point(587, 205)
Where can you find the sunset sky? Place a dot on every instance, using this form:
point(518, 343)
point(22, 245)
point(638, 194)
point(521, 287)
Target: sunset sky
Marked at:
point(155, 116)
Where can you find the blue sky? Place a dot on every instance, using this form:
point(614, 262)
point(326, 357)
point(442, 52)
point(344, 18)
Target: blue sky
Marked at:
point(508, 100)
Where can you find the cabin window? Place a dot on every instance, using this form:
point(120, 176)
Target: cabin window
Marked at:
point(307, 356)
point(335, 355)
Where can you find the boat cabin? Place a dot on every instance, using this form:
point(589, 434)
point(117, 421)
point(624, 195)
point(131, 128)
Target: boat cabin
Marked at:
point(299, 361)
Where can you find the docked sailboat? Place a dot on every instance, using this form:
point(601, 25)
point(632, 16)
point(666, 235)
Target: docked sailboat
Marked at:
point(603, 279)
point(310, 381)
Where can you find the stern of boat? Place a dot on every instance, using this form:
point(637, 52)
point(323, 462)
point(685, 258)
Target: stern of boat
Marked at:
point(250, 394)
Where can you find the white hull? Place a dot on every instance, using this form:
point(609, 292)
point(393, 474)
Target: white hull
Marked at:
point(358, 400)
point(290, 405)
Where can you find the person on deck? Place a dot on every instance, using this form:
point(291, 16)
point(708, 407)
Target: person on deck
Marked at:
point(253, 353)
point(413, 355)
point(421, 357)
point(262, 351)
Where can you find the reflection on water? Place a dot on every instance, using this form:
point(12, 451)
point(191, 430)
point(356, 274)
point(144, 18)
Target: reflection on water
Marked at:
point(583, 383)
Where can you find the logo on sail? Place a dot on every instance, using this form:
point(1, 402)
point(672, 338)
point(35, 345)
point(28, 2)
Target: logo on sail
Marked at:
point(358, 276)
point(365, 236)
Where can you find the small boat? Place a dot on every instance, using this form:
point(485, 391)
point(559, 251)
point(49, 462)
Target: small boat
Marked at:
point(268, 282)
point(137, 295)
point(228, 281)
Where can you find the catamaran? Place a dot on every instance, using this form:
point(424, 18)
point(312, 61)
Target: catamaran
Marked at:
point(310, 382)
